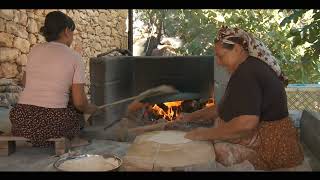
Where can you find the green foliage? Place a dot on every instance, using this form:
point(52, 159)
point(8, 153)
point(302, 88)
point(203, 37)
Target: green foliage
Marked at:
point(305, 30)
point(197, 29)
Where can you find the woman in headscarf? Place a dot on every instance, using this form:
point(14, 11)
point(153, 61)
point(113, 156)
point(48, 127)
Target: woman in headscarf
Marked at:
point(251, 120)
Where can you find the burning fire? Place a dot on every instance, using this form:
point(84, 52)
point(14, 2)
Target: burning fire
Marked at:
point(172, 110)
point(210, 102)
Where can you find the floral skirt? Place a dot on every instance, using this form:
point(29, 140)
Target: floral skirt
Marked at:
point(273, 145)
point(39, 123)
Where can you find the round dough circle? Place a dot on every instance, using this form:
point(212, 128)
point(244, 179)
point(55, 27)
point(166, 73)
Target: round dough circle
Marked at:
point(169, 137)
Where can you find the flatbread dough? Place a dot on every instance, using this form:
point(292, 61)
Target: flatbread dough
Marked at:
point(169, 137)
point(91, 163)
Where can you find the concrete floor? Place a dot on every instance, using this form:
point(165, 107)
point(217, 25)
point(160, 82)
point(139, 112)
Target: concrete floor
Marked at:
point(313, 161)
point(42, 159)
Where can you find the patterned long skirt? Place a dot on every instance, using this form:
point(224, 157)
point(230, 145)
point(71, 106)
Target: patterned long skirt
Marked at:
point(273, 145)
point(39, 123)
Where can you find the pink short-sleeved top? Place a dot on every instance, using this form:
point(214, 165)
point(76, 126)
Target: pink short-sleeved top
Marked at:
point(51, 70)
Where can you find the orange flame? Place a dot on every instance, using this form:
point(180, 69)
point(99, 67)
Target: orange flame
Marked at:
point(170, 114)
point(173, 109)
point(210, 103)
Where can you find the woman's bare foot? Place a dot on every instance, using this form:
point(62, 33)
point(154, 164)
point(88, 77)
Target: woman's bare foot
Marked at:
point(76, 142)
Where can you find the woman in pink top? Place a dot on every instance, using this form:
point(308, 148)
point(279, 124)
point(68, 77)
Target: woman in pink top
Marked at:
point(53, 100)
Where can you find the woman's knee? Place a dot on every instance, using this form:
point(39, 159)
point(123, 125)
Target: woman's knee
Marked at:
point(229, 154)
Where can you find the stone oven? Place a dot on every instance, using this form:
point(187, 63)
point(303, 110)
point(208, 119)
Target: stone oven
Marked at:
point(118, 77)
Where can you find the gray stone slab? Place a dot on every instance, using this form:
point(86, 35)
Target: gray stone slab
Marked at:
point(310, 133)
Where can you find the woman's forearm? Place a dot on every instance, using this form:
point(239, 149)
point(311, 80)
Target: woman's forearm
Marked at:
point(236, 128)
point(205, 113)
point(80, 100)
point(224, 132)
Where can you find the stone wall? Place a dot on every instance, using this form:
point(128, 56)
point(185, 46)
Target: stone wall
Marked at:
point(97, 31)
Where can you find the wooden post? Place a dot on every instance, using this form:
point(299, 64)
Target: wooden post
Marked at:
point(61, 145)
point(7, 148)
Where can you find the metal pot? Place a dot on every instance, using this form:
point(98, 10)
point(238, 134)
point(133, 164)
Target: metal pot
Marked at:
point(64, 159)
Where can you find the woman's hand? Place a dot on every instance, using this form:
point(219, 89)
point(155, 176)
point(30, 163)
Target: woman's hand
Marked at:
point(91, 108)
point(198, 134)
point(89, 111)
point(80, 99)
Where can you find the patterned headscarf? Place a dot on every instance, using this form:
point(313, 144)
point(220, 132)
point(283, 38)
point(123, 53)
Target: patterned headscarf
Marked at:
point(255, 48)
